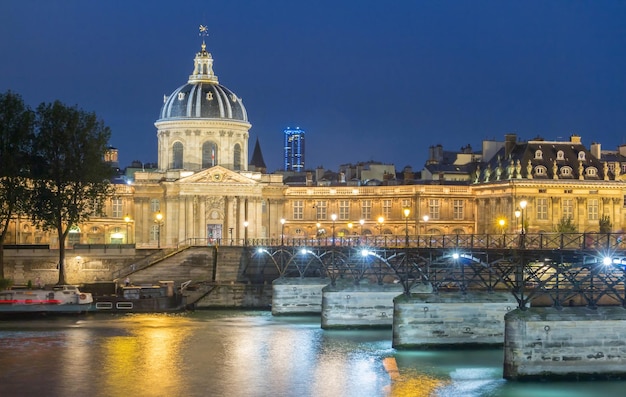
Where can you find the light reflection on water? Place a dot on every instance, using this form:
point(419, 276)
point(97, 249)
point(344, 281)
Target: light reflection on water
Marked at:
point(233, 353)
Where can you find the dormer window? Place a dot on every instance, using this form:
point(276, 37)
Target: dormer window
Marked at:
point(581, 156)
point(538, 155)
point(181, 96)
point(540, 170)
point(566, 171)
point(591, 171)
point(560, 155)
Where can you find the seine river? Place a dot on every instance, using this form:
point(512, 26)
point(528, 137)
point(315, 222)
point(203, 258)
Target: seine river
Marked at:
point(242, 353)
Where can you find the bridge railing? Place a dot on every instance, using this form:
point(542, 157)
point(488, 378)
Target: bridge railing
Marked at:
point(536, 241)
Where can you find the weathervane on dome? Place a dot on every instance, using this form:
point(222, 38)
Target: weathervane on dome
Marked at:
point(204, 32)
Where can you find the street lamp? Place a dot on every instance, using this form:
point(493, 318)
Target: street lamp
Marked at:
point(522, 205)
point(362, 221)
point(245, 232)
point(407, 212)
point(518, 213)
point(334, 218)
point(501, 222)
point(128, 221)
point(158, 219)
point(282, 231)
point(381, 220)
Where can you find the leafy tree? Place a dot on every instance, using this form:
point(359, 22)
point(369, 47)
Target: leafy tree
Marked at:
point(16, 133)
point(566, 225)
point(605, 224)
point(71, 179)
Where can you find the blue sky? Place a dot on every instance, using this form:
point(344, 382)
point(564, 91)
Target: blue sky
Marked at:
point(367, 80)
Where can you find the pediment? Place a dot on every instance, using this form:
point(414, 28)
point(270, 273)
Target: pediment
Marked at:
point(217, 175)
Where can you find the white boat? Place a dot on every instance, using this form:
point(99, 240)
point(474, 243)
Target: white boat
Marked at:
point(57, 299)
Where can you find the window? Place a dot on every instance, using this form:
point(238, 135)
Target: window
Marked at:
point(458, 209)
point(540, 170)
point(320, 209)
point(177, 155)
point(298, 210)
point(560, 155)
point(566, 171)
point(209, 154)
point(433, 209)
point(581, 156)
point(154, 233)
point(591, 171)
point(406, 203)
point(592, 209)
point(237, 157)
point(567, 207)
point(366, 209)
point(542, 209)
point(387, 208)
point(155, 205)
point(538, 155)
point(344, 210)
point(116, 208)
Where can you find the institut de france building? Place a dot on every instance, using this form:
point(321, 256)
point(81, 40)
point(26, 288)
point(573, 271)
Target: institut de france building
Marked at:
point(206, 191)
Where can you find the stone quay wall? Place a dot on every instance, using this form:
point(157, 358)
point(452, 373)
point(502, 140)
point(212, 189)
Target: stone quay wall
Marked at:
point(450, 319)
point(570, 343)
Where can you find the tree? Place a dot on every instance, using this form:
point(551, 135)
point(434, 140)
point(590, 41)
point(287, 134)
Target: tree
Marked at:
point(71, 179)
point(605, 224)
point(16, 133)
point(566, 225)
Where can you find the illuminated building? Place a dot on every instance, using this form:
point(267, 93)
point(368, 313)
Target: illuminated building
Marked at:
point(294, 149)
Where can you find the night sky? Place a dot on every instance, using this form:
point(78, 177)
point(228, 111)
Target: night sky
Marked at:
point(366, 80)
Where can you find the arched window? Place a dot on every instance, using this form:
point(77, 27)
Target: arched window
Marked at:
point(177, 155)
point(566, 171)
point(538, 154)
point(581, 156)
point(237, 157)
point(591, 171)
point(560, 155)
point(540, 170)
point(209, 154)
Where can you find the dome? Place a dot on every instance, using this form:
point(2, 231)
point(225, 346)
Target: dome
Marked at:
point(203, 97)
point(203, 100)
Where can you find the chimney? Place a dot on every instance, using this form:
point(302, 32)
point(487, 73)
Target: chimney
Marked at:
point(575, 138)
point(596, 150)
point(309, 178)
point(509, 144)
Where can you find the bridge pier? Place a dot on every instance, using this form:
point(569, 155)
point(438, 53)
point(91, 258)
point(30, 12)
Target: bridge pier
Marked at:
point(297, 295)
point(450, 319)
point(363, 305)
point(574, 342)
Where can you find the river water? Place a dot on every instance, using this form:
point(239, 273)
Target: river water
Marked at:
point(243, 353)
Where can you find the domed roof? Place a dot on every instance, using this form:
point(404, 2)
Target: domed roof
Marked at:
point(203, 97)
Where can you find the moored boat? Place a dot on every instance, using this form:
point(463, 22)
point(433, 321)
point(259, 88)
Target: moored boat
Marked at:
point(143, 298)
point(56, 299)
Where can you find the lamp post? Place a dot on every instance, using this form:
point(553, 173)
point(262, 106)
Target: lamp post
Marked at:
point(518, 213)
point(334, 218)
point(381, 220)
point(245, 232)
point(362, 221)
point(282, 231)
point(425, 218)
point(522, 205)
point(128, 221)
point(407, 212)
point(158, 219)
